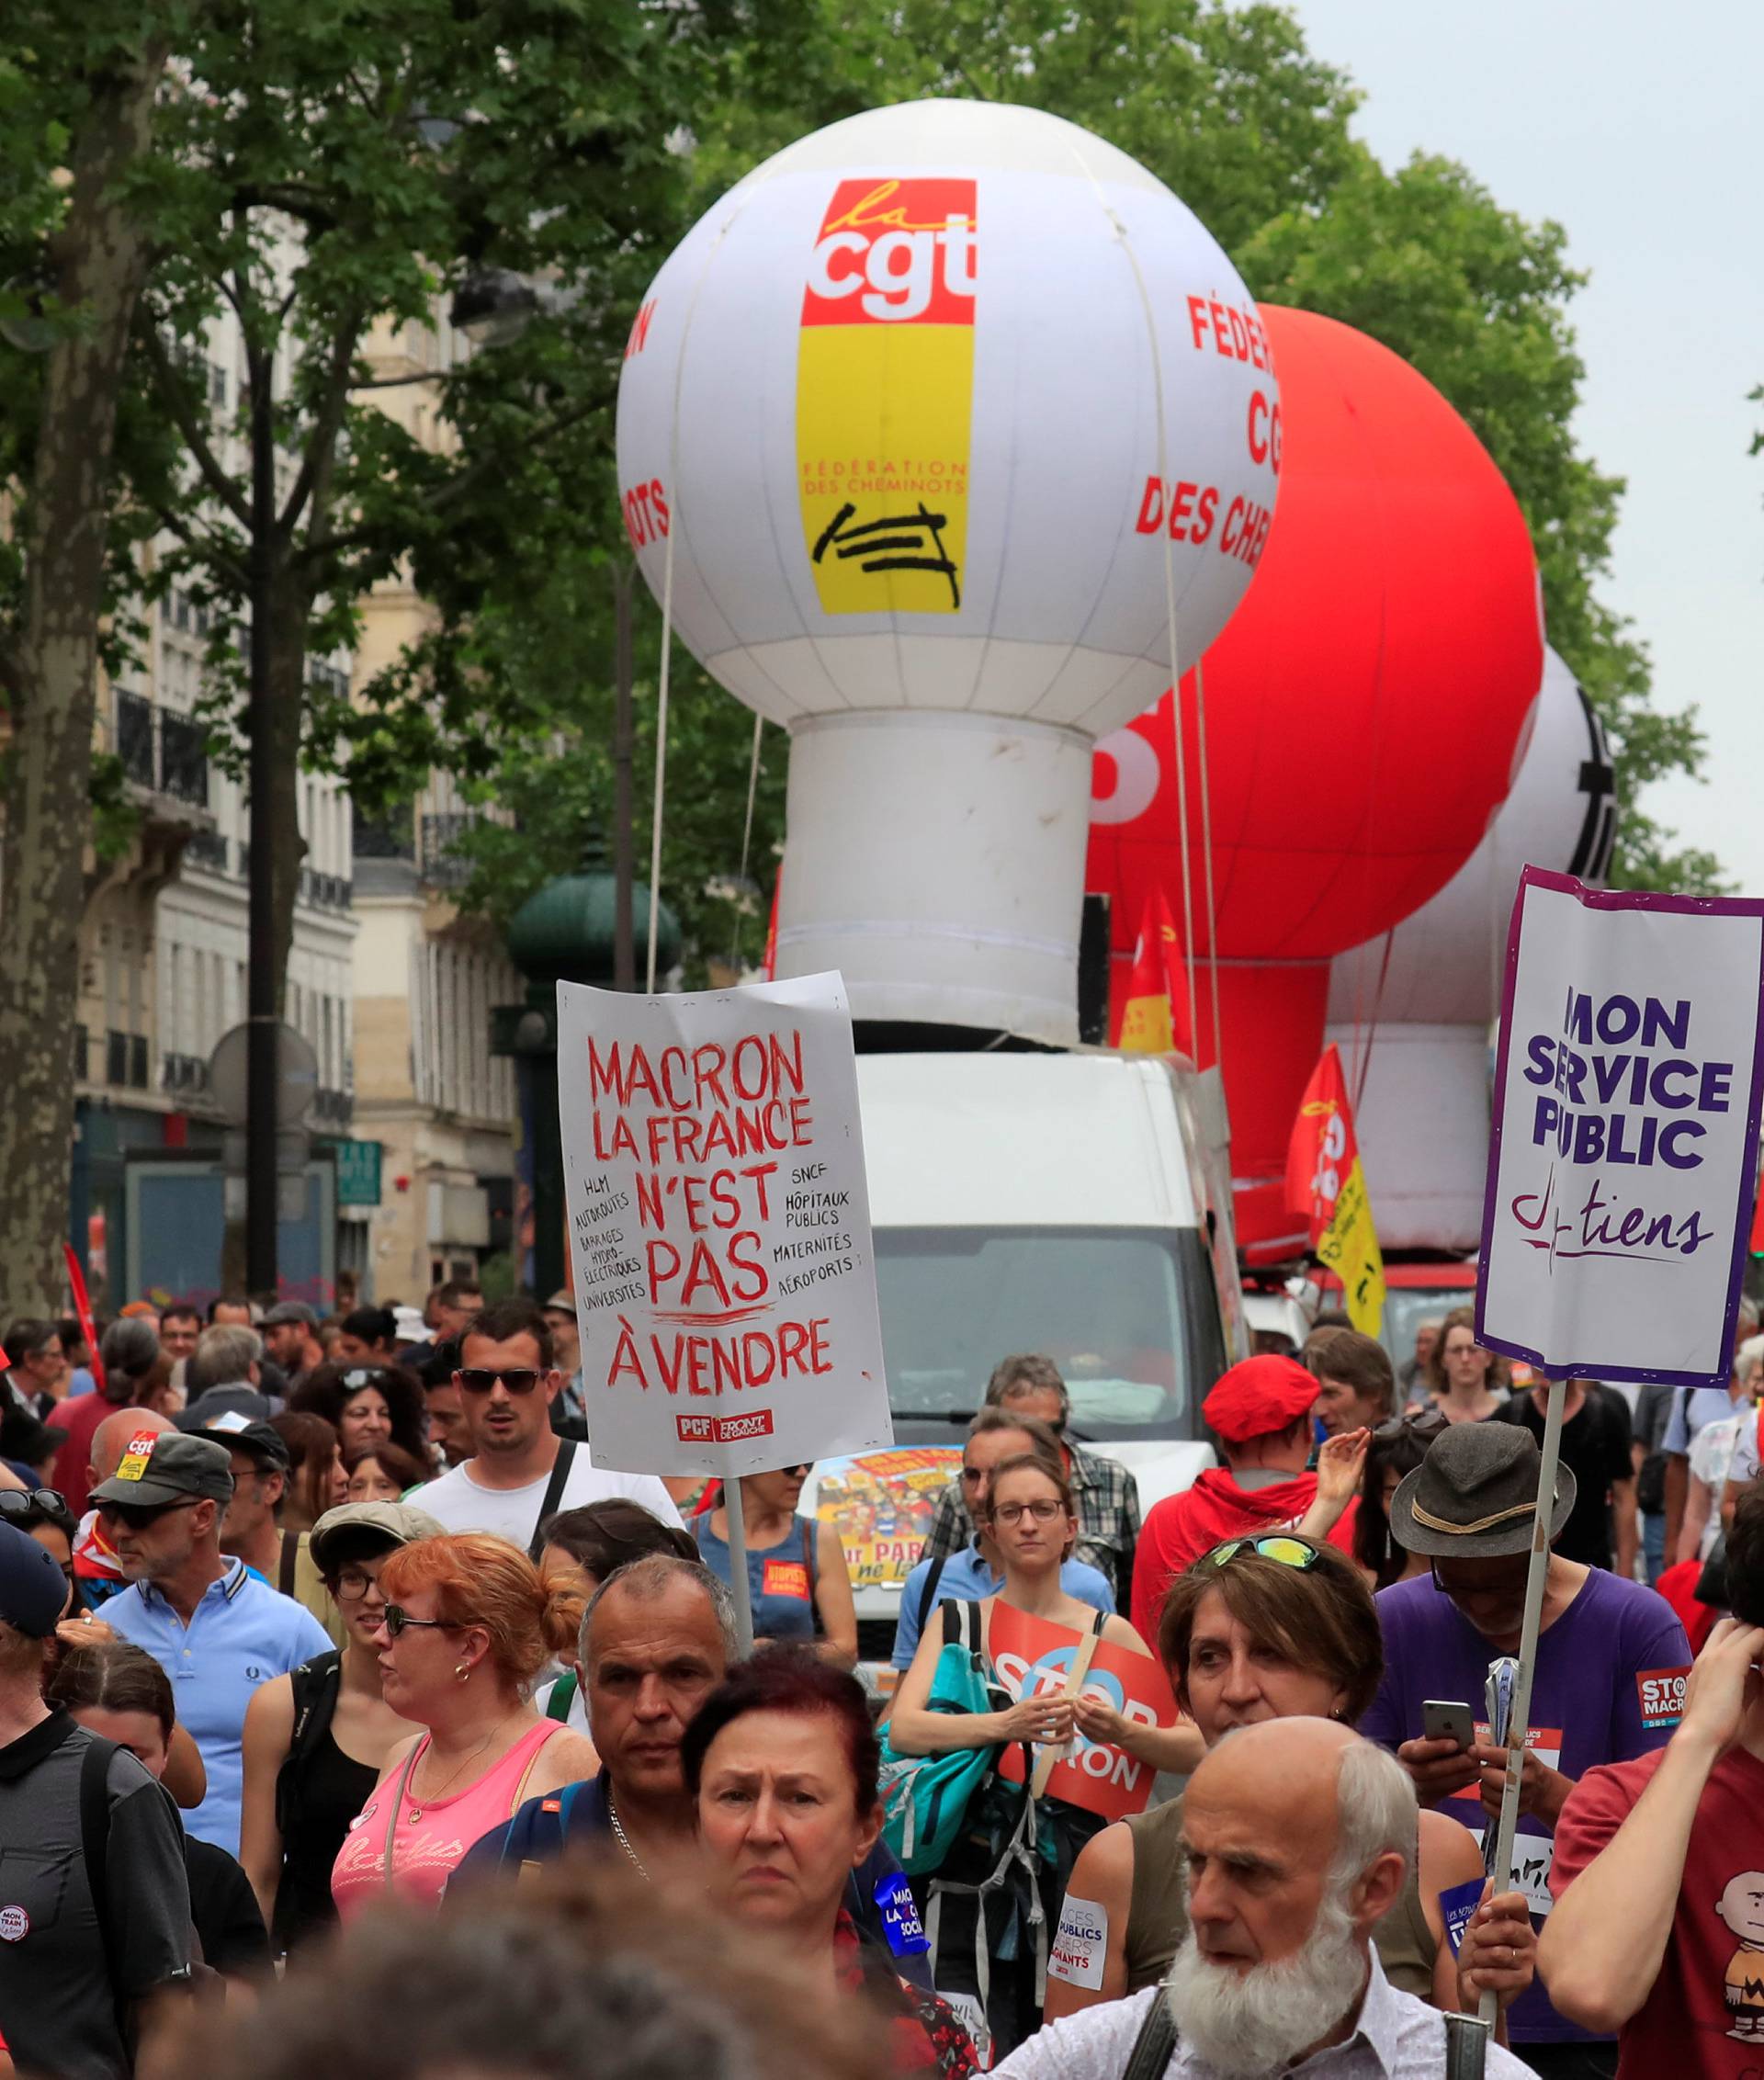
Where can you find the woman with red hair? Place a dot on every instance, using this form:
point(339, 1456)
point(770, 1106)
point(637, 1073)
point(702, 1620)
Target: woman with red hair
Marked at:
point(469, 1623)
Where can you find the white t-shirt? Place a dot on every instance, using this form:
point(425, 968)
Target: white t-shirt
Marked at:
point(458, 1503)
point(578, 1720)
point(1741, 1463)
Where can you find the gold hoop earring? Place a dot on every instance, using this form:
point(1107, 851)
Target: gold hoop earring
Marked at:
point(461, 1672)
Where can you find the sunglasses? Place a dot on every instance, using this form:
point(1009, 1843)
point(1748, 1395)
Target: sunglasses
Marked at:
point(1269, 1545)
point(38, 1502)
point(518, 1379)
point(1424, 1428)
point(397, 1619)
point(140, 1516)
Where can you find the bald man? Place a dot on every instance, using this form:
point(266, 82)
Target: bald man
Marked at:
point(96, 1573)
point(1297, 1835)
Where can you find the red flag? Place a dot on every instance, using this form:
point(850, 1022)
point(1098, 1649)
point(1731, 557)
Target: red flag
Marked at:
point(1154, 1015)
point(770, 963)
point(1325, 1183)
point(1757, 1243)
point(82, 1308)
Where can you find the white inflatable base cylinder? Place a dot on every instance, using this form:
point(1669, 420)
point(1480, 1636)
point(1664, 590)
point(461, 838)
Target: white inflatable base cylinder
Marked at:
point(936, 860)
point(1424, 1128)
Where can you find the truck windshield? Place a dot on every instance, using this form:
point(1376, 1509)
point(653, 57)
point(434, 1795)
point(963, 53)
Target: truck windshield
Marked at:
point(1128, 1318)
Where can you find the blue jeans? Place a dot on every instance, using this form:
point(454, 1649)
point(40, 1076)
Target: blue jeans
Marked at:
point(1653, 1547)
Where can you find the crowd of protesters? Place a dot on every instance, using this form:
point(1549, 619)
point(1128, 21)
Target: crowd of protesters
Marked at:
point(313, 1626)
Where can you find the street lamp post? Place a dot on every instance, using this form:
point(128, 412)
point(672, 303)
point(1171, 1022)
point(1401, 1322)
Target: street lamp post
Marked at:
point(261, 1011)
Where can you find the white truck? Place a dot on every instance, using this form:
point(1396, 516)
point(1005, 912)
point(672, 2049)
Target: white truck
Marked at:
point(1076, 1205)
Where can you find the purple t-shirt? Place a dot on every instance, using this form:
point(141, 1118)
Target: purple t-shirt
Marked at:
point(1607, 1688)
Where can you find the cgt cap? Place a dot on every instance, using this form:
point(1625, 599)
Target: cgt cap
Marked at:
point(355, 1528)
point(1257, 1397)
point(33, 1591)
point(168, 1466)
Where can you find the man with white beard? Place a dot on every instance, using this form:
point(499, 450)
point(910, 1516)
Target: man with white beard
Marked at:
point(1296, 1834)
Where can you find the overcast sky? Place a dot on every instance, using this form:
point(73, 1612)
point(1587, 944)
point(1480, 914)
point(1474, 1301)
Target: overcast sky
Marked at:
point(1638, 129)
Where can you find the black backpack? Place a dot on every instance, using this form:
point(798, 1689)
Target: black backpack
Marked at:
point(315, 1685)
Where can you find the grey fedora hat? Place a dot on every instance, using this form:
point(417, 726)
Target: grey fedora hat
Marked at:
point(1475, 1495)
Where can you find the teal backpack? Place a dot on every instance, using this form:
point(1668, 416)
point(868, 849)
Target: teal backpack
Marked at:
point(925, 1797)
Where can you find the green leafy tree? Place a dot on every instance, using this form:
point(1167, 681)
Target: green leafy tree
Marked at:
point(1424, 260)
point(317, 172)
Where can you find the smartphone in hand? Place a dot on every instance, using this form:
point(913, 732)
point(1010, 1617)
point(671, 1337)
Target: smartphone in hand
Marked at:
point(1445, 1721)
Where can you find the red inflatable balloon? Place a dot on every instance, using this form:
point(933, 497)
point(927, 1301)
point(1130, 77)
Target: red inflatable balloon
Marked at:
point(1366, 708)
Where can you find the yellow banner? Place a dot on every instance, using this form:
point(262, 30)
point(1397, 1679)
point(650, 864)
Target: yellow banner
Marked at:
point(1349, 1246)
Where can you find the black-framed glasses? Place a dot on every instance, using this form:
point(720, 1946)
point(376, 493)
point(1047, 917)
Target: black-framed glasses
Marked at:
point(1268, 1545)
point(35, 1502)
point(482, 1379)
point(139, 1516)
point(397, 1619)
point(973, 1475)
point(1044, 1510)
point(352, 1584)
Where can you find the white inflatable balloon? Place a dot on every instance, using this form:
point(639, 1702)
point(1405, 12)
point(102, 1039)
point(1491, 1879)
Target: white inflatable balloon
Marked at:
point(922, 432)
point(1433, 984)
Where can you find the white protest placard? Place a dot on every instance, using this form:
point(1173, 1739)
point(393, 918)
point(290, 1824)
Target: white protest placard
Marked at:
point(1626, 1115)
point(719, 1227)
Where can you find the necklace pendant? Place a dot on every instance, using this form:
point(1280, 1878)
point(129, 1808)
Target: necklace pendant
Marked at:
point(414, 1814)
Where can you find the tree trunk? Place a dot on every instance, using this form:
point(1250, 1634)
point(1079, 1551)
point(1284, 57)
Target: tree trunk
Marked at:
point(51, 673)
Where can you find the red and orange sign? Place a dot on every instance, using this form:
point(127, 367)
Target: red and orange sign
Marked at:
point(1033, 1658)
point(885, 393)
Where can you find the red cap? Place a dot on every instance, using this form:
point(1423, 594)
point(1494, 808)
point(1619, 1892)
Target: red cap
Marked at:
point(1259, 1396)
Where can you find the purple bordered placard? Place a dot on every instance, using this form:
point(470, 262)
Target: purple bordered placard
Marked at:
point(1555, 1364)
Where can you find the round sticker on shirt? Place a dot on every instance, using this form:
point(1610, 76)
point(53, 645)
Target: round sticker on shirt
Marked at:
point(14, 1924)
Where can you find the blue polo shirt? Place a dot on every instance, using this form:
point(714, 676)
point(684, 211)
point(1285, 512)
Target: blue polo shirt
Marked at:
point(243, 1634)
point(966, 1579)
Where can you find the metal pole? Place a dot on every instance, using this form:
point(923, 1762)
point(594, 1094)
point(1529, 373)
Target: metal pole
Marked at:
point(624, 848)
point(1488, 2006)
point(261, 1121)
point(738, 1583)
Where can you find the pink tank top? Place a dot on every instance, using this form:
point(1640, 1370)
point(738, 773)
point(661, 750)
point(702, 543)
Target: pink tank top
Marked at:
point(429, 1836)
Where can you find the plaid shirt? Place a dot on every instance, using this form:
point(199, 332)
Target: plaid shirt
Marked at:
point(1108, 1519)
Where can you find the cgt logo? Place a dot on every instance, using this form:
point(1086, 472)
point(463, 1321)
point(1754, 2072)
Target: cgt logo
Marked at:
point(894, 253)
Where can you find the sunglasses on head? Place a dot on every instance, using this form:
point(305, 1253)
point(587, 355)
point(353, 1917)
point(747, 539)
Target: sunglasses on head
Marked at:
point(35, 1502)
point(482, 1379)
point(1424, 1427)
point(1269, 1545)
point(139, 1516)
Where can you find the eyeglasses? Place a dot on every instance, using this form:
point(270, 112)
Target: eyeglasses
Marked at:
point(972, 1476)
point(518, 1379)
point(352, 1583)
point(37, 1502)
point(139, 1516)
point(1271, 1545)
point(397, 1619)
point(1043, 1510)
